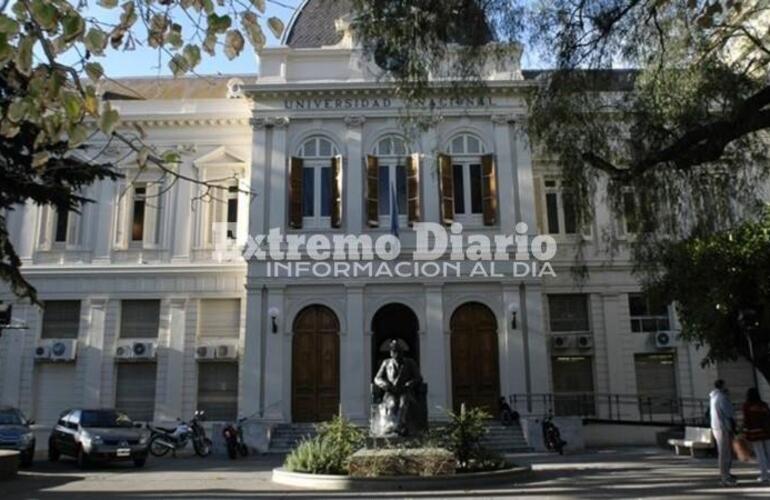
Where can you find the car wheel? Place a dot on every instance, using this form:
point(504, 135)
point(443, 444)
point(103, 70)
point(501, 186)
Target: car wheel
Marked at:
point(53, 452)
point(82, 459)
point(26, 457)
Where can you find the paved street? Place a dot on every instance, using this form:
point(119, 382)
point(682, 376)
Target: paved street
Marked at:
point(634, 473)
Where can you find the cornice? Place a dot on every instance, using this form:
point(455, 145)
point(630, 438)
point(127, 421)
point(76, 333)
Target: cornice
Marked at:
point(183, 121)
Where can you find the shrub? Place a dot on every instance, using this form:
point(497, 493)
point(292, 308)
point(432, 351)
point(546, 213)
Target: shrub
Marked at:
point(464, 433)
point(329, 451)
point(402, 462)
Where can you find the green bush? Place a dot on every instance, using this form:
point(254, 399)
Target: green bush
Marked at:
point(464, 433)
point(329, 451)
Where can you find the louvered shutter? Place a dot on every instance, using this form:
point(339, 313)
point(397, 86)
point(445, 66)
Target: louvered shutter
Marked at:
point(539, 205)
point(336, 191)
point(489, 189)
point(139, 319)
point(413, 187)
point(219, 318)
point(447, 189)
point(372, 190)
point(135, 390)
point(152, 211)
point(295, 194)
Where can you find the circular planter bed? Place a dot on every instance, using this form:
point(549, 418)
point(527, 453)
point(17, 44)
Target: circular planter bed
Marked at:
point(466, 480)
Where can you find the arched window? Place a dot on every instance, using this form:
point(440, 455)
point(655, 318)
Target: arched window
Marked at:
point(316, 184)
point(471, 181)
point(392, 157)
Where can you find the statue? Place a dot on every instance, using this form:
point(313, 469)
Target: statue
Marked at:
point(402, 409)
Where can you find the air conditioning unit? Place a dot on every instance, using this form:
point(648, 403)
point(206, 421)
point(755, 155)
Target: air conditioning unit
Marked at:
point(585, 341)
point(63, 350)
point(561, 342)
point(124, 351)
point(43, 352)
point(227, 351)
point(204, 352)
point(143, 350)
point(664, 340)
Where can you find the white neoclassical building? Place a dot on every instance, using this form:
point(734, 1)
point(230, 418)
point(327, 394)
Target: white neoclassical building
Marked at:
point(147, 313)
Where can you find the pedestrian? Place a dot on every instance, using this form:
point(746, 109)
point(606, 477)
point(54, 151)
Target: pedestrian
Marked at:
point(723, 428)
point(756, 423)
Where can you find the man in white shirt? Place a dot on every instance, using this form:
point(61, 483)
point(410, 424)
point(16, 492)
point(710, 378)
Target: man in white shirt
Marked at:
point(723, 428)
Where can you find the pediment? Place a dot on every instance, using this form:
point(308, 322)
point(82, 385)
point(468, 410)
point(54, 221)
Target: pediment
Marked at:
point(220, 157)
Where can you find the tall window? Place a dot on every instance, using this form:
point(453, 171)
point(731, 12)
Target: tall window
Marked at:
point(135, 390)
point(466, 151)
point(656, 382)
point(232, 212)
point(568, 313)
point(218, 390)
point(139, 319)
point(316, 154)
point(647, 315)
point(62, 222)
point(391, 155)
point(61, 319)
point(223, 214)
point(630, 222)
point(559, 208)
point(137, 213)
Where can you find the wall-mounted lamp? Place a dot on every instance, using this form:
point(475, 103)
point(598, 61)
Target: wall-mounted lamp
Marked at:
point(514, 310)
point(273, 312)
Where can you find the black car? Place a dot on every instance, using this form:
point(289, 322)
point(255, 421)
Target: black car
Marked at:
point(100, 435)
point(16, 434)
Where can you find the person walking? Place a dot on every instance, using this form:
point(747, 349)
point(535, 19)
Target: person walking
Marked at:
point(756, 423)
point(723, 428)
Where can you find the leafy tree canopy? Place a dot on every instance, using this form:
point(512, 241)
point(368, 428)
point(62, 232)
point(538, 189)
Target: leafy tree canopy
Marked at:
point(49, 105)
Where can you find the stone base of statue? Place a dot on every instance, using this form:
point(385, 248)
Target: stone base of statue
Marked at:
point(386, 425)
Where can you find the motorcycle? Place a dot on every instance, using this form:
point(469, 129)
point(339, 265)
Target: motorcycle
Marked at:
point(552, 436)
point(164, 439)
point(233, 435)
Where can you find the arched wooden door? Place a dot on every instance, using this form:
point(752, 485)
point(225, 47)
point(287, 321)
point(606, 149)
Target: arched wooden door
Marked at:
point(315, 365)
point(475, 362)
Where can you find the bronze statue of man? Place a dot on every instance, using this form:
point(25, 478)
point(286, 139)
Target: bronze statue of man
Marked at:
point(399, 378)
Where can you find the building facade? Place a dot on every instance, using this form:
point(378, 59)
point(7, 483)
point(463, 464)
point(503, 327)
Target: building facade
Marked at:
point(151, 307)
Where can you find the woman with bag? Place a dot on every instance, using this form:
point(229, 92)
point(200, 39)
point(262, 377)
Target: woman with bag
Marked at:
point(756, 423)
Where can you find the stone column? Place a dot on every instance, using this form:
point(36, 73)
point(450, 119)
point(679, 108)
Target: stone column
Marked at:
point(170, 407)
point(278, 174)
point(524, 187)
point(25, 242)
point(512, 359)
point(102, 231)
point(277, 374)
point(250, 393)
point(93, 353)
point(181, 226)
point(614, 342)
point(507, 172)
point(258, 178)
point(354, 381)
point(11, 356)
point(533, 324)
point(353, 196)
point(436, 369)
point(429, 177)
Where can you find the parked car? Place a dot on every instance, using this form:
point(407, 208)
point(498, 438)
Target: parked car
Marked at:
point(16, 434)
point(98, 435)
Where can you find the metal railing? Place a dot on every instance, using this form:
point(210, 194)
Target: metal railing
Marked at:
point(615, 407)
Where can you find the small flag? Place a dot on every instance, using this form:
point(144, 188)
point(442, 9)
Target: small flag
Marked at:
point(393, 210)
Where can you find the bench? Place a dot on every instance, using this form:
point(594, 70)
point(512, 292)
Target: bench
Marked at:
point(699, 440)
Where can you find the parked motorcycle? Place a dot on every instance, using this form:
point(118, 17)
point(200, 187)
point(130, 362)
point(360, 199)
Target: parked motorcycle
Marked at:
point(165, 439)
point(233, 435)
point(552, 436)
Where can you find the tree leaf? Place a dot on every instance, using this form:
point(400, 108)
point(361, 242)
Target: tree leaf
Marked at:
point(6, 50)
point(40, 159)
point(73, 27)
point(95, 41)
point(72, 104)
point(45, 13)
point(17, 110)
point(253, 30)
point(193, 55)
point(259, 5)
point(8, 26)
point(178, 65)
point(171, 156)
point(276, 26)
point(210, 44)
point(78, 134)
point(108, 119)
point(23, 57)
point(218, 24)
point(233, 44)
point(94, 71)
point(108, 4)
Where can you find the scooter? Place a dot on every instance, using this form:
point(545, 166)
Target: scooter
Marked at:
point(233, 435)
point(552, 436)
point(164, 439)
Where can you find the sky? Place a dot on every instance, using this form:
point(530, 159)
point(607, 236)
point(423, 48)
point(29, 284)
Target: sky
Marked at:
point(144, 61)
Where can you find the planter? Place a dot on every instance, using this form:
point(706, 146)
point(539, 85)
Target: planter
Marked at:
point(396, 483)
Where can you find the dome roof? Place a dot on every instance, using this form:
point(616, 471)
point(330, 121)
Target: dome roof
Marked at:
point(312, 25)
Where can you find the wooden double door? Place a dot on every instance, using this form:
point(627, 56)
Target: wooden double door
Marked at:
point(315, 365)
point(475, 361)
